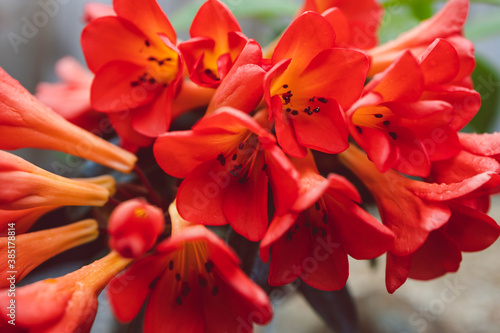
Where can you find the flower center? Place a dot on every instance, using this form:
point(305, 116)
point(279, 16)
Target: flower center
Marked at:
point(296, 105)
point(191, 268)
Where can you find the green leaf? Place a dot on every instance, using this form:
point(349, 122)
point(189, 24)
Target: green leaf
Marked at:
point(490, 2)
point(261, 9)
point(483, 27)
point(397, 19)
point(486, 80)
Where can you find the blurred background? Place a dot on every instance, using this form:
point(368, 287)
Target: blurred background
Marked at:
point(35, 34)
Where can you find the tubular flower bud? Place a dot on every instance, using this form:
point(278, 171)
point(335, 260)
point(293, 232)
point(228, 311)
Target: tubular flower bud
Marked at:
point(34, 248)
point(23, 218)
point(26, 186)
point(25, 122)
point(194, 283)
point(134, 227)
point(66, 304)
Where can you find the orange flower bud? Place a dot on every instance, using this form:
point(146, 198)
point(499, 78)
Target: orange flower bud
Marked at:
point(66, 304)
point(32, 249)
point(134, 227)
point(24, 186)
point(25, 122)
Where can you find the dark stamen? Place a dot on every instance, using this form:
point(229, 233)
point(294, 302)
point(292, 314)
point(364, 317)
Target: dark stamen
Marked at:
point(178, 300)
point(386, 123)
point(177, 277)
point(185, 289)
point(215, 290)
point(378, 115)
point(322, 100)
point(316, 110)
point(171, 265)
point(235, 156)
point(147, 43)
point(295, 112)
point(134, 84)
point(325, 220)
point(393, 135)
point(289, 236)
point(202, 281)
point(209, 265)
point(285, 86)
point(316, 204)
point(315, 230)
point(359, 129)
point(264, 167)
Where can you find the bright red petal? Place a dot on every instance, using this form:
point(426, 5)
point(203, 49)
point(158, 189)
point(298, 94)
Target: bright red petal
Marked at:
point(113, 90)
point(146, 14)
point(309, 34)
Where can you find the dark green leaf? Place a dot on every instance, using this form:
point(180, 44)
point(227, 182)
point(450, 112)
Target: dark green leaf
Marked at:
point(335, 307)
point(486, 80)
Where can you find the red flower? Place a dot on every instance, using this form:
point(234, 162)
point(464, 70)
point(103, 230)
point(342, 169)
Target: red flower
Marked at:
point(136, 62)
point(468, 230)
point(447, 23)
point(194, 283)
point(413, 209)
point(27, 123)
point(355, 22)
point(310, 85)
point(227, 160)
point(134, 226)
point(242, 87)
point(313, 239)
point(410, 114)
point(216, 41)
point(71, 97)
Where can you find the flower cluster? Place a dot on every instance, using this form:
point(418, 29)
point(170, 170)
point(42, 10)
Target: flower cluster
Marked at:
point(268, 119)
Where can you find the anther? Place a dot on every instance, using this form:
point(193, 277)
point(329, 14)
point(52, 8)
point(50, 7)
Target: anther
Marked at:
point(378, 115)
point(264, 167)
point(322, 100)
point(177, 277)
point(202, 281)
point(171, 265)
point(316, 110)
point(147, 43)
point(386, 123)
point(316, 205)
point(134, 84)
point(359, 129)
point(178, 300)
point(393, 135)
point(209, 265)
point(325, 220)
point(235, 156)
point(185, 289)
point(285, 86)
point(215, 290)
point(314, 230)
point(295, 112)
